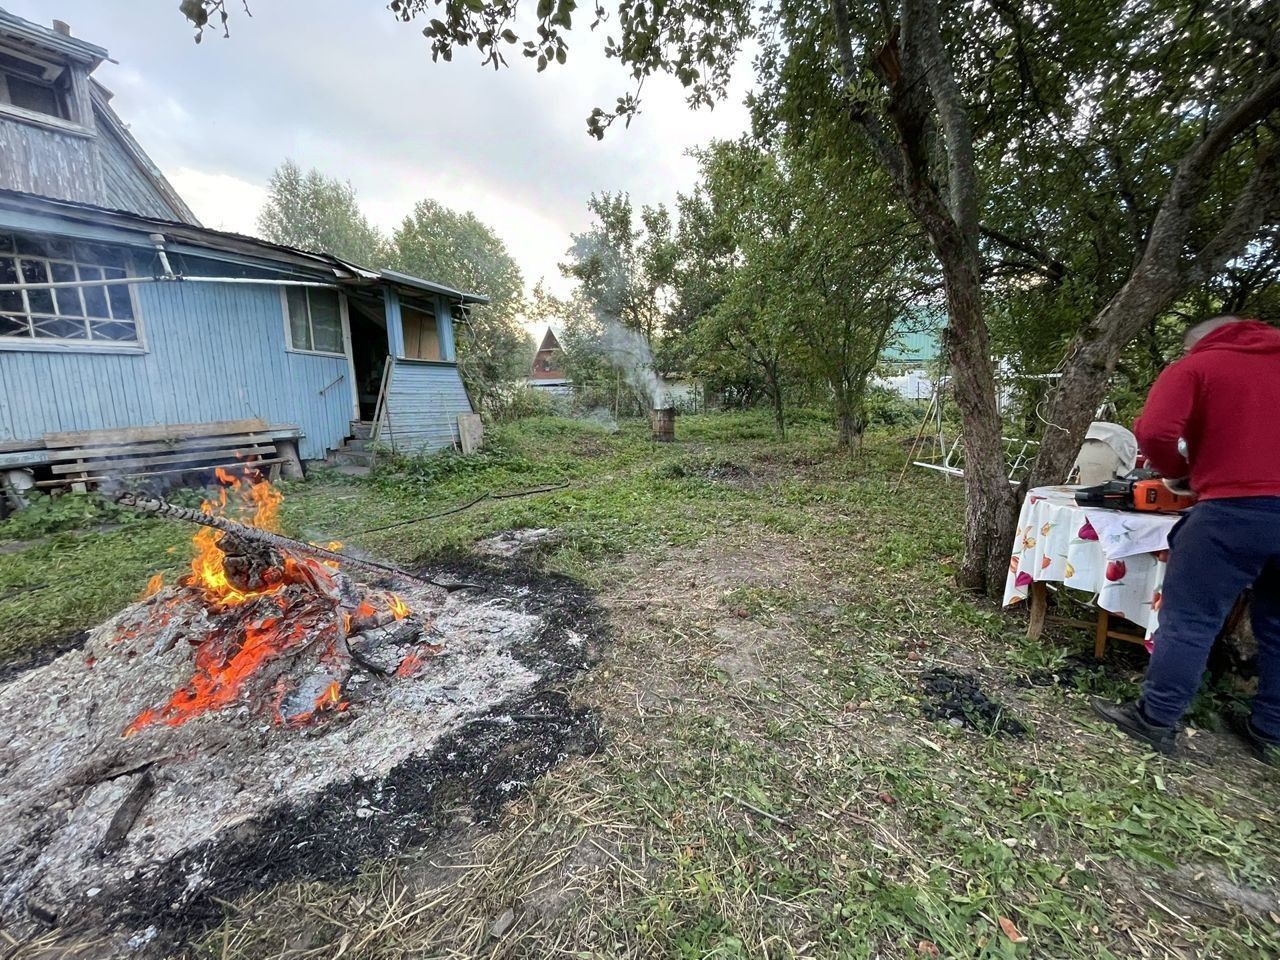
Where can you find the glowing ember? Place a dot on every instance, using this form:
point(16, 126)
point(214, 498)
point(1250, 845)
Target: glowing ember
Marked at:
point(220, 673)
point(154, 586)
point(399, 609)
point(417, 659)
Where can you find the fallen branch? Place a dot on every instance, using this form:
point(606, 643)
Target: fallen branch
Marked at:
point(162, 508)
point(127, 813)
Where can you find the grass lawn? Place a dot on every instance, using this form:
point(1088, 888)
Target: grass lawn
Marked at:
point(770, 785)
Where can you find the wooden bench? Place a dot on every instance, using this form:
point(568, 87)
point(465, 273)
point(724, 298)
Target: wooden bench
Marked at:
point(80, 458)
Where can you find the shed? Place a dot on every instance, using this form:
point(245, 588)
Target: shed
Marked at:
point(119, 311)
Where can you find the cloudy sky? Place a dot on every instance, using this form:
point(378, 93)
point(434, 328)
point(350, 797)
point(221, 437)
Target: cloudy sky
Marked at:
point(344, 86)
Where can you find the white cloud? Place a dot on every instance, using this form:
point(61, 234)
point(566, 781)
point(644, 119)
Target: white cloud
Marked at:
point(219, 200)
point(346, 88)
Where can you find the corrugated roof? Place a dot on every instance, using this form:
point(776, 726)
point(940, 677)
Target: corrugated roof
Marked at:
point(916, 338)
point(234, 243)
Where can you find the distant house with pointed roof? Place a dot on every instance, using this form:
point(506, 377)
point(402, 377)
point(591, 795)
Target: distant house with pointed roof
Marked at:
point(548, 365)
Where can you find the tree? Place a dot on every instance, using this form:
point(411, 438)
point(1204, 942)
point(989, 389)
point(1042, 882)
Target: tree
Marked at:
point(313, 212)
point(459, 250)
point(1164, 109)
point(622, 267)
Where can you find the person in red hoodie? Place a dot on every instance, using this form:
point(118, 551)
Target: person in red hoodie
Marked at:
point(1212, 420)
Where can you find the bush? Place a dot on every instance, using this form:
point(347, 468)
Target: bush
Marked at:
point(887, 409)
point(47, 513)
point(524, 401)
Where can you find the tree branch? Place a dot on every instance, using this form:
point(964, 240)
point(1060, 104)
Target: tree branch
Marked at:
point(1054, 269)
point(1257, 204)
point(1190, 181)
point(957, 130)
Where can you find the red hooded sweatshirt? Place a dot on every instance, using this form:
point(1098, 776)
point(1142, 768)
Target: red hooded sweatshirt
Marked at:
point(1223, 397)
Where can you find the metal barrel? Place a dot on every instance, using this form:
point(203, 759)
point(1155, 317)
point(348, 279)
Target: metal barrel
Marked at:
point(664, 424)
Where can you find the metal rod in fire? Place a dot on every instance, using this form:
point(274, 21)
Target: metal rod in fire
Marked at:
point(163, 508)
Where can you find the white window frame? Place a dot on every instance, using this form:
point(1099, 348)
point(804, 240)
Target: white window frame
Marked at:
point(73, 122)
point(37, 344)
point(288, 327)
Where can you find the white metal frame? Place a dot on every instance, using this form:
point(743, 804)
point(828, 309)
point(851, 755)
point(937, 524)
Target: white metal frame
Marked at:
point(1019, 452)
point(288, 327)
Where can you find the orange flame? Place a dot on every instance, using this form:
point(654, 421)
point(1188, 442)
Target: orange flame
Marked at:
point(257, 504)
point(331, 697)
point(399, 609)
point(331, 545)
point(217, 681)
point(154, 586)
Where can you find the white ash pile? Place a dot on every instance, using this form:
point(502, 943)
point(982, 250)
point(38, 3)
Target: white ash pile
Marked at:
point(262, 718)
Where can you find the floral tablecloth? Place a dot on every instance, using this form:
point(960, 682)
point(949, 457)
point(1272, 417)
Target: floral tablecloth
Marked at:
point(1116, 556)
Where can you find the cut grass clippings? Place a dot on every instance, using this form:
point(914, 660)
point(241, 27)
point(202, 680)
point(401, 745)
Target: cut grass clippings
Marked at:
point(771, 785)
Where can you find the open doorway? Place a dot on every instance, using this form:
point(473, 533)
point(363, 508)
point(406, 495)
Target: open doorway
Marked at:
point(368, 352)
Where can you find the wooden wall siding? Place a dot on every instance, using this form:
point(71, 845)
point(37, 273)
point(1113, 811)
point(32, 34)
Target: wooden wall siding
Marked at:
point(124, 186)
point(214, 352)
point(35, 159)
point(423, 406)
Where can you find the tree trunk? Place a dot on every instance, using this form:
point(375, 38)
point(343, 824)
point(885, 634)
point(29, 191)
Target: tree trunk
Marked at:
point(775, 394)
point(990, 505)
point(845, 420)
point(850, 417)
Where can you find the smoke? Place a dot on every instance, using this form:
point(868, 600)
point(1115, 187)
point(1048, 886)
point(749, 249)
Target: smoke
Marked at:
point(606, 282)
point(629, 351)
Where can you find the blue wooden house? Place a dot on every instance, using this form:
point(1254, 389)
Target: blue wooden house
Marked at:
point(119, 310)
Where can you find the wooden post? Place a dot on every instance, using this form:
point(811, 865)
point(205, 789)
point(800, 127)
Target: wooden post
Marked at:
point(379, 410)
point(1100, 634)
point(1039, 609)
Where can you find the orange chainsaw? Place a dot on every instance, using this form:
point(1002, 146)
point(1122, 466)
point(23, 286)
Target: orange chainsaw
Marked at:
point(1140, 490)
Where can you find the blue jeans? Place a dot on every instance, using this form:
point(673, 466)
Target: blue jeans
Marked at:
point(1220, 548)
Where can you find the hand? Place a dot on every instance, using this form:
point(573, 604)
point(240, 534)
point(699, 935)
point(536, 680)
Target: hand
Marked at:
point(1180, 486)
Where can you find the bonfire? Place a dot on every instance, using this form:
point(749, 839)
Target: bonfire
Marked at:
point(276, 631)
point(268, 715)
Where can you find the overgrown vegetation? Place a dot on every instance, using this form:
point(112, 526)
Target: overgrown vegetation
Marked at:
point(770, 785)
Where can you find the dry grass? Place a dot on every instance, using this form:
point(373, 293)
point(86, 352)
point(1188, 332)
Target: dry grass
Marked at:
point(769, 787)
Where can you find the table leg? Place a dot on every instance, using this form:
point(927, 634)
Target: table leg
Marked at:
point(1100, 634)
point(1039, 609)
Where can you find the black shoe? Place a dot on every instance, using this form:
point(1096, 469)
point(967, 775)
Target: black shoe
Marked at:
point(1264, 748)
point(1128, 717)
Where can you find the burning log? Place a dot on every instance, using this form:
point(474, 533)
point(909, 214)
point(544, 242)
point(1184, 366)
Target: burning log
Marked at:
point(250, 565)
point(243, 533)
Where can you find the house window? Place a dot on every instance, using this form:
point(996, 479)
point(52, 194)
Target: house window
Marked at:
point(315, 319)
point(78, 314)
point(421, 338)
point(35, 86)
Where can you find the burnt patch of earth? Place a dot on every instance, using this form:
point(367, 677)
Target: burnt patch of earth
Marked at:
point(712, 470)
point(139, 840)
point(957, 698)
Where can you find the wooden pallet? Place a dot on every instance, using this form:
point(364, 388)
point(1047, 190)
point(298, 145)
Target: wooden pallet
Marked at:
point(83, 457)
